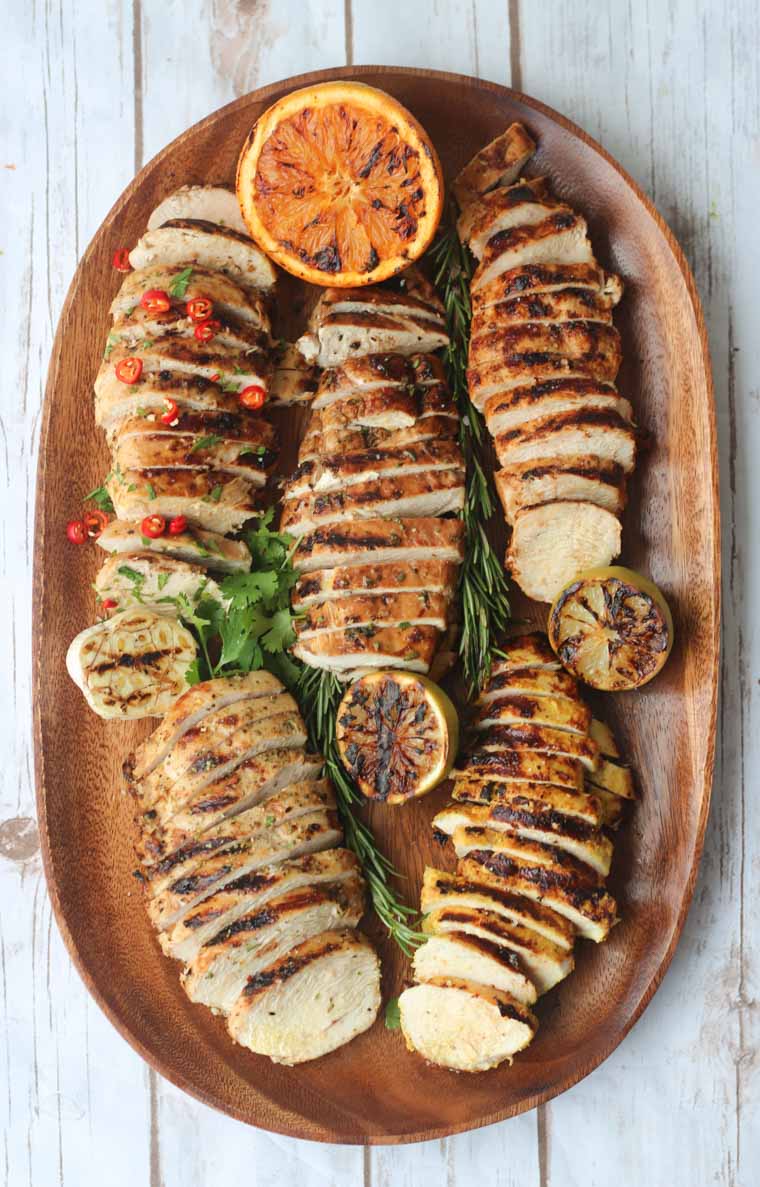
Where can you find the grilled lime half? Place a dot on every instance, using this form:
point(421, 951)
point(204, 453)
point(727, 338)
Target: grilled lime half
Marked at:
point(612, 628)
point(398, 735)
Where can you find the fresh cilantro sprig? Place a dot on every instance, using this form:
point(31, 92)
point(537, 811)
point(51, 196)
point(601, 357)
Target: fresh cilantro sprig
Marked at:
point(178, 286)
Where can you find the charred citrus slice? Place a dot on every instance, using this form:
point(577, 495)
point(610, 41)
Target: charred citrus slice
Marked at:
point(397, 734)
point(340, 184)
point(612, 628)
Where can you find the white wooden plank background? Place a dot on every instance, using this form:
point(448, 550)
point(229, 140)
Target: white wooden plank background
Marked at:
point(92, 89)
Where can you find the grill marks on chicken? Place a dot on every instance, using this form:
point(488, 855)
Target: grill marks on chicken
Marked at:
point(543, 362)
point(380, 470)
point(245, 879)
point(533, 838)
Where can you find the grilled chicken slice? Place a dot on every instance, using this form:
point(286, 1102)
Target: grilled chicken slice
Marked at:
point(574, 478)
point(392, 407)
point(549, 680)
point(379, 541)
point(133, 330)
point(507, 410)
point(369, 646)
point(210, 499)
point(613, 776)
point(132, 665)
point(254, 942)
point(294, 381)
point(386, 610)
point(335, 472)
point(312, 832)
point(553, 543)
point(536, 279)
point(188, 242)
point(525, 651)
point(318, 997)
point(558, 712)
point(408, 496)
point(524, 766)
point(462, 957)
point(568, 833)
point(186, 713)
point(503, 210)
point(250, 891)
point(559, 239)
point(479, 219)
point(500, 163)
point(442, 890)
point(541, 352)
point(590, 909)
point(206, 753)
point(463, 1025)
point(434, 428)
point(366, 372)
point(216, 204)
point(552, 866)
point(595, 432)
point(116, 402)
point(531, 369)
point(545, 739)
point(535, 798)
point(151, 580)
point(228, 298)
point(208, 818)
point(567, 304)
point(377, 298)
point(342, 336)
point(187, 356)
point(544, 961)
point(329, 585)
point(195, 546)
point(170, 449)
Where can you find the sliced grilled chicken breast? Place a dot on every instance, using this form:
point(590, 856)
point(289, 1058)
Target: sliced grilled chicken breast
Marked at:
point(462, 957)
point(342, 336)
point(318, 997)
point(328, 585)
point(544, 961)
point(535, 798)
point(227, 297)
point(172, 450)
point(463, 1025)
point(149, 579)
point(414, 495)
point(478, 216)
point(555, 866)
point(196, 703)
point(574, 478)
point(294, 381)
point(330, 473)
point(558, 712)
point(411, 648)
point(441, 889)
point(116, 402)
point(506, 410)
point(525, 651)
point(392, 407)
point(567, 304)
point(595, 432)
point(311, 833)
point(379, 541)
point(548, 277)
point(365, 372)
point(403, 609)
point(511, 736)
point(590, 909)
point(613, 776)
point(132, 665)
point(165, 830)
point(252, 943)
point(543, 681)
point(189, 241)
point(187, 356)
point(247, 893)
point(208, 549)
point(377, 298)
point(548, 827)
point(530, 368)
point(133, 330)
point(211, 203)
point(211, 499)
point(559, 239)
point(526, 766)
point(425, 429)
point(502, 210)
point(553, 543)
point(499, 163)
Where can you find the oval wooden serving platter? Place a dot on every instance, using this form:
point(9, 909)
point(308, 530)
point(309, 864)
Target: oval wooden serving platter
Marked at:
point(374, 1090)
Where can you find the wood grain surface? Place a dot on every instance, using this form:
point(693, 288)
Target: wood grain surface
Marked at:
point(673, 94)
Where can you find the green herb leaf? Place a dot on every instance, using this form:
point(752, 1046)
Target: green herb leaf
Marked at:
point(206, 442)
point(101, 498)
point(162, 580)
point(215, 495)
point(178, 286)
point(111, 341)
point(146, 541)
point(392, 1015)
point(151, 490)
point(146, 342)
point(229, 385)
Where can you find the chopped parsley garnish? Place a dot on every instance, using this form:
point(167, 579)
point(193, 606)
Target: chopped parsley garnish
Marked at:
point(392, 1015)
point(178, 286)
point(162, 580)
point(206, 442)
point(151, 490)
point(229, 385)
point(101, 498)
point(111, 341)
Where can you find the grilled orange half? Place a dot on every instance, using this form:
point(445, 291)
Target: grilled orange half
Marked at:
point(340, 185)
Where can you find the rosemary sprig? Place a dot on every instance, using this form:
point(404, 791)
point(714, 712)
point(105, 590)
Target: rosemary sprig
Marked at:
point(482, 581)
point(319, 693)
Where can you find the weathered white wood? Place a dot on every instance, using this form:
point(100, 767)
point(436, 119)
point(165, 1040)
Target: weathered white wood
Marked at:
point(672, 91)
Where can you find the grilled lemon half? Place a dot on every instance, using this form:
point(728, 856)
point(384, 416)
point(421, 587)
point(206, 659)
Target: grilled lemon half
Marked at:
point(612, 628)
point(340, 185)
point(398, 735)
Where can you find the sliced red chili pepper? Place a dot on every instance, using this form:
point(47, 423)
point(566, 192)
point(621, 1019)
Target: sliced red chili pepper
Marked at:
point(177, 525)
point(169, 417)
point(252, 397)
point(121, 260)
point(95, 521)
point(215, 377)
point(153, 526)
point(208, 329)
point(76, 531)
point(199, 309)
point(108, 604)
point(155, 301)
point(129, 370)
